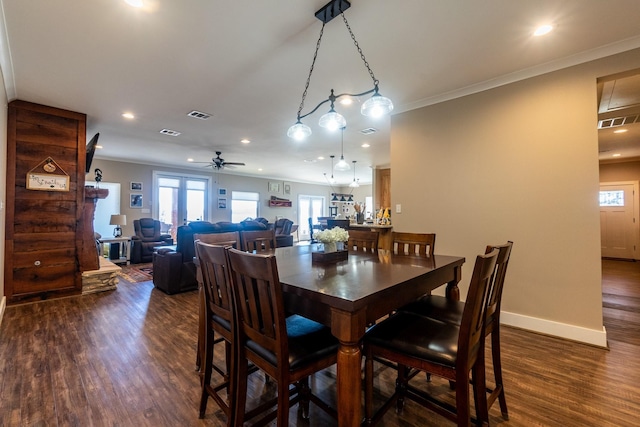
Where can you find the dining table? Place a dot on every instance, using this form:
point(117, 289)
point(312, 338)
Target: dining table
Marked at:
point(350, 294)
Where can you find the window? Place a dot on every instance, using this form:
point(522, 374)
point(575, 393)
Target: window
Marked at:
point(244, 205)
point(612, 198)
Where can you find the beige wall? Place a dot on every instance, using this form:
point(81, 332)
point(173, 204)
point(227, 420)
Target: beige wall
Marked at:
point(125, 173)
point(623, 171)
point(519, 162)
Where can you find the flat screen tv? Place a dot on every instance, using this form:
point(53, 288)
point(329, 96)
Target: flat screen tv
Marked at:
point(91, 149)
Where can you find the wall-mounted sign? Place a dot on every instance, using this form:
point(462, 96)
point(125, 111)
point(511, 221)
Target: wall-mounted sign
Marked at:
point(47, 180)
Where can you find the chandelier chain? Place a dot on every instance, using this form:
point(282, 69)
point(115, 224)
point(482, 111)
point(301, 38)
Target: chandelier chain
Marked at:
point(355, 42)
point(306, 86)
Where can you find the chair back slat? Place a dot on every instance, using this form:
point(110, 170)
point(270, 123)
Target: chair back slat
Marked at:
point(215, 280)
point(471, 335)
point(413, 244)
point(258, 240)
point(229, 238)
point(363, 240)
point(258, 295)
point(494, 300)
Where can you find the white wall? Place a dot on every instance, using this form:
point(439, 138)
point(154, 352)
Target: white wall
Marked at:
point(520, 163)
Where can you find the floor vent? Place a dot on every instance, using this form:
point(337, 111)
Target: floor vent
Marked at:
point(199, 115)
point(618, 121)
point(169, 132)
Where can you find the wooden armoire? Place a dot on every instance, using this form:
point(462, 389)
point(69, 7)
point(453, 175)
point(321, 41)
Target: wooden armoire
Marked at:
point(44, 209)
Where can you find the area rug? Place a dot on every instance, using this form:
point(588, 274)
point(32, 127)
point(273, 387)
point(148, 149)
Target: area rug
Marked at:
point(137, 273)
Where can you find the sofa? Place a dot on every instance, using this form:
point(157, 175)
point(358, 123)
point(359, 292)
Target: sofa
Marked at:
point(148, 237)
point(174, 270)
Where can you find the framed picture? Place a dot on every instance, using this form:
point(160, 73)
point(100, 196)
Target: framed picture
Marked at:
point(274, 187)
point(136, 186)
point(286, 187)
point(135, 201)
point(222, 203)
point(222, 191)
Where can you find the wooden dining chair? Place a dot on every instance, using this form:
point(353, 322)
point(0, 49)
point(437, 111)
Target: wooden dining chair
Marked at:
point(444, 349)
point(258, 240)
point(288, 349)
point(413, 244)
point(363, 240)
point(218, 319)
point(231, 238)
point(449, 311)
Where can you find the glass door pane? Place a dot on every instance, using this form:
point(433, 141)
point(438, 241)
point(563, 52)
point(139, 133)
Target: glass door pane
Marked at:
point(180, 199)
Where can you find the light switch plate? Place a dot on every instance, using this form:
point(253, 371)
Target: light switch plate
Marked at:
point(398, 208)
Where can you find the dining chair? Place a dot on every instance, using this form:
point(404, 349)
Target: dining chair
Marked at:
point(449, 311)
point(413, 244)
point(288, 349)
point(258, 240)
point(218, 319)
point(363, 240)
point(231, 238)
point(444, 349)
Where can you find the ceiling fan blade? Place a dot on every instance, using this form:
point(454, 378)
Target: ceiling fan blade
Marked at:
point(233, 164)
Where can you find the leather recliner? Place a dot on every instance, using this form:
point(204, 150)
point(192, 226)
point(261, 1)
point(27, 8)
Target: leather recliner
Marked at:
point(175, 270)
point(282, 229)
point(146, 239)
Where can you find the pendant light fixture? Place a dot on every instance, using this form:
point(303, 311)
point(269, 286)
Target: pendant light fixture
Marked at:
point(354, 183)
point(342, 165)
point(375, 106)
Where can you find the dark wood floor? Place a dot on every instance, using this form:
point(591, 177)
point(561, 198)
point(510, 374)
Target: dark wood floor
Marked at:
point(126, 358)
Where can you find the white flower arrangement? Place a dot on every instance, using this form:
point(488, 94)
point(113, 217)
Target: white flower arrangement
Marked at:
point(336, 234)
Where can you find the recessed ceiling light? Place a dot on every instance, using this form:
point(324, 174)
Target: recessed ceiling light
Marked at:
point(346, 101)
point(245, 141)
point(189, 160)
point(134, 3)
point(260, 169)
point(320, 158)
point(128, 116)
point(617, 155)
point(99, 146)
point(365, 145)
point(542, 30)
point(620, 131)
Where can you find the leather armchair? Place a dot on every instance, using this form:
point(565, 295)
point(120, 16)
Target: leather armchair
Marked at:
point(282, 229)
point(146, 239)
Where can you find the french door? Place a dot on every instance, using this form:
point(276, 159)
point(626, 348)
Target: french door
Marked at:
point(180, 199)
point(308, 207)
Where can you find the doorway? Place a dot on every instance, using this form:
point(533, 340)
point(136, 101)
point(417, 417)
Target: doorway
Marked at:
point(179, 199)
point(309, 207)
point(618, 227)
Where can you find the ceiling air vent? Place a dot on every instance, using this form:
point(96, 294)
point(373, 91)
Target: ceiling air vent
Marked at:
point(368, 131)
point(618, 121)
point(199, 115)
point(169, 132)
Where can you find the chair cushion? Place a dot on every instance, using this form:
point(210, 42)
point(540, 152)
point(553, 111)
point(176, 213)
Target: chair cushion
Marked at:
point(308, 341)
point(417, 336)
point(437, 307)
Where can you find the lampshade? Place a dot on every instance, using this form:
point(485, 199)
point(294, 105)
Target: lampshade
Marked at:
point(335, 198)
point(299, 131)
point(332, 120)
point(342, 165)
point(376, 106)
point(118, 220)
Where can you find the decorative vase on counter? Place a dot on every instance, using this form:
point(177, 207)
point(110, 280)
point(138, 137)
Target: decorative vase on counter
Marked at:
point(330, 247)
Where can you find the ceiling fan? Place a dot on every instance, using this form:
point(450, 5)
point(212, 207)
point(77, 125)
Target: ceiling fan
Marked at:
point(219, 163)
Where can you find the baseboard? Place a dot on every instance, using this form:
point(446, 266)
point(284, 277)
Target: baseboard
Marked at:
point(3, 305)
point(562, 330)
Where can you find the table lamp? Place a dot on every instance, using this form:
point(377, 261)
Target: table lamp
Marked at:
point(118, 220)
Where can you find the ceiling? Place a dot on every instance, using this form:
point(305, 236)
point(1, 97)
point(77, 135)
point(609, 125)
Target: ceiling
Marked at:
point(245, 62)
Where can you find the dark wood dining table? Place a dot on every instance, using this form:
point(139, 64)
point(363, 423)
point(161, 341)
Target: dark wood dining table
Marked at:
point(349, 295)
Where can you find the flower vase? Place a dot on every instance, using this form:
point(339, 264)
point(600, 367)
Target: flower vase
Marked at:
point(330, 247)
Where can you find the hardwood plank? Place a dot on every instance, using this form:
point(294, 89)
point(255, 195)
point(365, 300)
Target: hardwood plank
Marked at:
point(126, 358)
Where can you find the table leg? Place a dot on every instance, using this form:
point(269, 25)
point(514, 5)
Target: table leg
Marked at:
point(349, 329)
point(453, 292)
